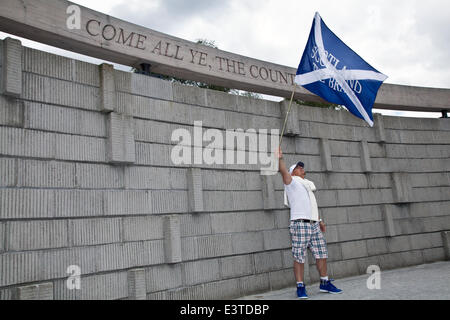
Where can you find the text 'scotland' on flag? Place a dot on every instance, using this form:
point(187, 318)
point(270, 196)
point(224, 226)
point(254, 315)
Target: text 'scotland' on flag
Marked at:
point(333, 71)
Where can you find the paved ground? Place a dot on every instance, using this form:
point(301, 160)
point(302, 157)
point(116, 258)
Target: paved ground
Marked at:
point(428, 282)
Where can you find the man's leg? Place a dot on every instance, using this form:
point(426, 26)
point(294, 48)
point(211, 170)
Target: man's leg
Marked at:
point(299, 269)
point(319, 249)
point(321, 265)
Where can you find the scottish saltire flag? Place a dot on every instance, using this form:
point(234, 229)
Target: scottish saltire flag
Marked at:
point(333, 71)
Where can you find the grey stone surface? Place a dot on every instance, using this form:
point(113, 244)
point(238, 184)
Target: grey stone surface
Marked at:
point(446, 242)
point(42, 291)
point(325, 154)
point(401, 187)
point(121, 145)
point(389, 220)
point(11, 111)
point(396, 284)
point(107, 88)
point(33, 235)
point(292, 124)
point(195, 189)
point(137, 286)
point(172, 239)
point(12, 68)
point(366, 165)
point(208, 231)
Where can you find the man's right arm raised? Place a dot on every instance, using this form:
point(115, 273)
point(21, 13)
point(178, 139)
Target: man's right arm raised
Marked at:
point(287, 178)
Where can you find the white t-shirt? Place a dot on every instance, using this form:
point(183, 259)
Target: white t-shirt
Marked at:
point(298, 198)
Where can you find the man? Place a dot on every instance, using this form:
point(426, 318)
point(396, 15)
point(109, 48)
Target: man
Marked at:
point(305, 227)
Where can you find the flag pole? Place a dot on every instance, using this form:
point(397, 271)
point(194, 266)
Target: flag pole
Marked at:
point(287, 114)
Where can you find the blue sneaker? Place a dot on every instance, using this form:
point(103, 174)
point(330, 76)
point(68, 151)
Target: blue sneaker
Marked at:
point(301, 292)
point(327, 286)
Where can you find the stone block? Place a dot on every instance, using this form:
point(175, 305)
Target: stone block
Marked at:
point(334, 252)
point(364, 214)
point(45, 174)
point(26, 203)
point(388, 217)
point(254, 284)
point(331, 234)
point(195, 190)
point(188, 293)
point(433, 255)
point(58, 92)
point(373, 229)
point(277, 239)
point(65, 120)
point(2, 237)
point(214, 246)
point(201, 271)
point(333, 216)
point(341, 269)
point(218, 290)
point(189, 249)
point(12, 68)
point(222, 100)
point(78, 148)
point(27, 143)
point(379, 127)
point(172, 239)
point(107, 88)
point(399, 244)
point(121, 145)
point(426, 240)
point(86, 232)
point(127, 202)
point(110, 286)
point(268, 191)
point(366, 165)
point(11, 111)
point(8, 172)
point(354, 249)
point(377, 246)
point(137, 288)
point(446, 242)
point(281, 279)
point(163, 201)
point(236, 266)
point(189, 94)
point(195, 224)
point(42, 291)
point(348, 232)
point(99, 176)
point(247, 242)
point(325, 154)
point(349, 197)
point(33, 235)
point(292, 125)
point(260, 220)
point(163, 277)
point(401, 187)
point(143, 228)
point(268, 261)
point(142, 85)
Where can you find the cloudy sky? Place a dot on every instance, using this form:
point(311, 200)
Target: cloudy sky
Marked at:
point(408, 40)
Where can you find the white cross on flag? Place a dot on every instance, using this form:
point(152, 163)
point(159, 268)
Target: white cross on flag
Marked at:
point(333, 71)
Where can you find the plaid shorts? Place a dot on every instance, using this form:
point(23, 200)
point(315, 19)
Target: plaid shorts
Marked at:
point(307, 235)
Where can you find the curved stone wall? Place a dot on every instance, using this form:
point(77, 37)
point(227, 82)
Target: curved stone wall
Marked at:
point(86, 180)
